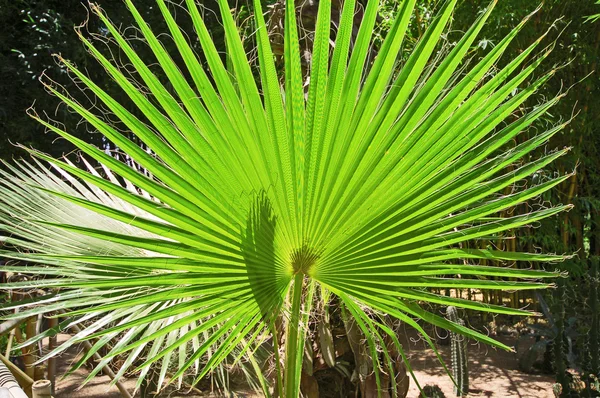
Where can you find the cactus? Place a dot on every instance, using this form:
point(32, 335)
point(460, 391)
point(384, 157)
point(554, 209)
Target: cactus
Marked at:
point(594, 383)
point(558, 347)
point(594, 331)
point(557, 389)
point(432, 391)
point(460, 370)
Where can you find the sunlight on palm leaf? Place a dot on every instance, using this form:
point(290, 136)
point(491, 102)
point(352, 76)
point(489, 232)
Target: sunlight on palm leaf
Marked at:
point(253, 198)
point(25, 196)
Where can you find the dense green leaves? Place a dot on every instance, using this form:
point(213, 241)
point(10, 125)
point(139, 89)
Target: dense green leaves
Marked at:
point(250, 192)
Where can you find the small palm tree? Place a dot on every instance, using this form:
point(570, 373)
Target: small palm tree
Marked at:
point(251, 200)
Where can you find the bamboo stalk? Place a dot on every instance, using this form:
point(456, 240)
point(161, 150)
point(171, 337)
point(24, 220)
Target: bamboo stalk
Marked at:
point(39, 324)
point(18, 335)
point(28, 352)
point(512, 246)
point(38, 372)
point(52, 322)
point(484, 293)
point(11, 337)
point(9, 325)
point(42, 389)
point(569, 199)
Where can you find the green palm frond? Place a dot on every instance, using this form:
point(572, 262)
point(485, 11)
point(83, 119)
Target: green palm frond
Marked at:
point(251, 192)
point(33, 192)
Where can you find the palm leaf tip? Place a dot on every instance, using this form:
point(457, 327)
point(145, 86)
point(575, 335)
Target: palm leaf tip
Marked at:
point(245, 198)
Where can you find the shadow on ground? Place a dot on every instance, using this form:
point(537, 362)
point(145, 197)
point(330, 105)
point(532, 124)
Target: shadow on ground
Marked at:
point(492, 372)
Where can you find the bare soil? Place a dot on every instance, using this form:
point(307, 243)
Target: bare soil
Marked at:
point(71, 386)
point(493, 373)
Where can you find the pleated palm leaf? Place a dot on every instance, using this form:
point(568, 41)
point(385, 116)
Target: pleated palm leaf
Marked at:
point(24, 196)
point(255, 200)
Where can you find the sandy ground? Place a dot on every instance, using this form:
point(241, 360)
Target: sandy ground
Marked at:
point(493, 373)
point(69, 387)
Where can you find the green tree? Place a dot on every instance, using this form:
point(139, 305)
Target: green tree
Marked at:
point(33, 32)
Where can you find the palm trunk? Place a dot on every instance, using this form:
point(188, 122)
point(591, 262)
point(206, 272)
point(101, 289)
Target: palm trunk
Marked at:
point(293, 358)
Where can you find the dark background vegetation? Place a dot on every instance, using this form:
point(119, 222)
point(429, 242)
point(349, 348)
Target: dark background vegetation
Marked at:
point(31, 31)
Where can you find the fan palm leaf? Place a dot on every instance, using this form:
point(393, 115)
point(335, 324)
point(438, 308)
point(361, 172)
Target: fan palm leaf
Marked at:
point(251, 197)
point(26, 196)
